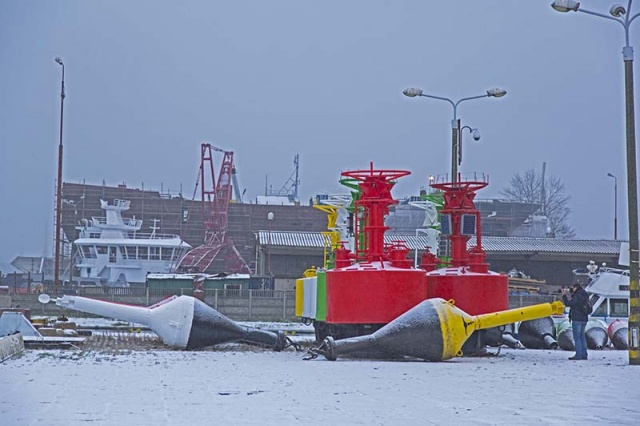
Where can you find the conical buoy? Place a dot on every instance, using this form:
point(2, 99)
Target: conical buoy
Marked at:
point(565, 336)
point(508, 337)
point(538, 333)
point(618, 332)
point(596, 334)
point(495, 337)
point(433, 330)
point(182, 322)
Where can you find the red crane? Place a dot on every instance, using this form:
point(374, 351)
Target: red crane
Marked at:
point(215, 214)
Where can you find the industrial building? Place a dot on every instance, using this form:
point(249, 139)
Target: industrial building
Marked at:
point(292, 241)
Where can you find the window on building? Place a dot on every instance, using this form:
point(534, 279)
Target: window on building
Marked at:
point(232, 289)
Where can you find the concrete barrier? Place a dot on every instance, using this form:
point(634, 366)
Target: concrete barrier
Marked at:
point(11, 345)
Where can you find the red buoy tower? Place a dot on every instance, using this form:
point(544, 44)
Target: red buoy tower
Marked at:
point(377, 283)
point(467, 280)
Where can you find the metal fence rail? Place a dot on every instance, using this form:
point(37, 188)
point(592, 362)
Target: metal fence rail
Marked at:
point(519, 301)
point(245, 305)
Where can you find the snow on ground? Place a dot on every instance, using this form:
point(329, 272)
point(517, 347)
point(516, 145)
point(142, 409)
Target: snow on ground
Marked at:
point(240, 386)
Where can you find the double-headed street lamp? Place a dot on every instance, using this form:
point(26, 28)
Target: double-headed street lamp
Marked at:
point(620, 14)
point(455, 124)
point(56, 268)
point(615, 205)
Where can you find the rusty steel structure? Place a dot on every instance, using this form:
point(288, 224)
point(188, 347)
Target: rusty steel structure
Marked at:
point(215, 217)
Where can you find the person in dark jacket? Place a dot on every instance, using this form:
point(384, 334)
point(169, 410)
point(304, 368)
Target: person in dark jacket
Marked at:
point(578, 317)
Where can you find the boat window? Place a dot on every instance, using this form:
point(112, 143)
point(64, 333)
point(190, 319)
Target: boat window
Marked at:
point(88, 252)
point(101, 249)
point(123, 252)
point(154, 253)
point(602, 309)
point(131, 252)
point(94, 235)
point(112, 254)
point(143, 253)
point(178, 253)
point(166, 253)
point(619, 307)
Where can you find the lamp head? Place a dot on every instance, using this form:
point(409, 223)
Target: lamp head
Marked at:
point(44, 298)
point(270, 216)
point(610, 175)
point(58, 60)
point(565, 5)
point(412, 92)
point(617, 10)
point(496, 93)
point(476, 134)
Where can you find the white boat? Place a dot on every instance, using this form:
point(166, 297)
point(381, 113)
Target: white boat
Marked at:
point(608, 288)
point(609, 294)
point(114, 253)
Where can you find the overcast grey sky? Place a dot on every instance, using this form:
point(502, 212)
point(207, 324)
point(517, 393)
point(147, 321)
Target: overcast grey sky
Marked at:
point(148, 81)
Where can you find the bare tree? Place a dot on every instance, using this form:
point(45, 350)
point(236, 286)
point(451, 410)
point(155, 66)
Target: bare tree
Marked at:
point(531, 187)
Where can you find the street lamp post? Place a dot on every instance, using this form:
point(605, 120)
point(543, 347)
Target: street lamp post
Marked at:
point(621, 15)
point(615, 205)
point(270, 219)
point(56, 268)
point(455, 140)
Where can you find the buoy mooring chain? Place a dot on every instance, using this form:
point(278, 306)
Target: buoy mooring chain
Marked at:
point(313, 353)
point(291, 343)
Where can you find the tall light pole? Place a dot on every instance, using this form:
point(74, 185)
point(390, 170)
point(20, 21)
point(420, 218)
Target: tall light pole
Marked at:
point(491, 93)
point(56, 268)
point(615, 205)
point(270, 219)
point(621, 15)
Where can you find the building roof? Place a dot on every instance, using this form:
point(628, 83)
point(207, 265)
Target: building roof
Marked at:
point(548, 245)
point(490, 244)
point(316, 239)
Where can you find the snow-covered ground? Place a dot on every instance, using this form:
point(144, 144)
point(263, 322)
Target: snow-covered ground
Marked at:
point(240, 386)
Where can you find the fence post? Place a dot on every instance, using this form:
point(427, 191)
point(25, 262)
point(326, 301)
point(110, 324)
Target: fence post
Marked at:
point(146, 290)
point(284, 304)
point(215, 299)
point(250, 306)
